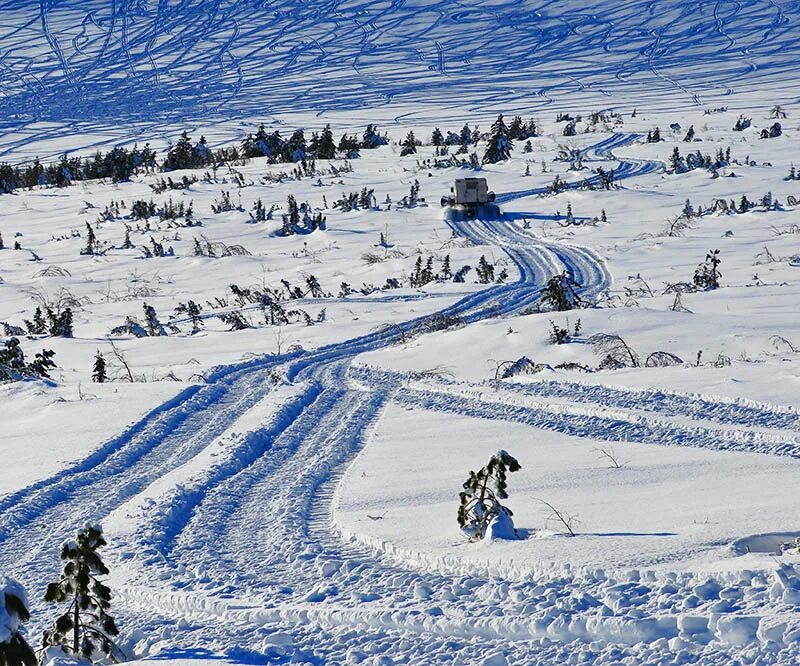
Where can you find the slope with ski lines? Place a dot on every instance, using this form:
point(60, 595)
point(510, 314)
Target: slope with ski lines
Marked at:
point(71, 65)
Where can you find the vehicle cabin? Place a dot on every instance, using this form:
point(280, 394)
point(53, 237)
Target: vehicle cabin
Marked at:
point(471, 191)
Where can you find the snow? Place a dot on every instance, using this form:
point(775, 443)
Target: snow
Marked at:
point(289, 494)
point(10, 623)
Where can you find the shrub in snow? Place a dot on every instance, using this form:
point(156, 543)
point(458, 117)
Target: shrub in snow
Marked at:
point(13, 366)
point(14, 649)
point(560, 293)
point(707, 274)
point(85, 629)
point(481, 515)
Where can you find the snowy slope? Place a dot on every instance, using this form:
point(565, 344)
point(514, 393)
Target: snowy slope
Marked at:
point(238, 524)
point(74, 66)
point(287, 494)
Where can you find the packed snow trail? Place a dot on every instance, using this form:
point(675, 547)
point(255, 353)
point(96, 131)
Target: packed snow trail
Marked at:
point(219, 504)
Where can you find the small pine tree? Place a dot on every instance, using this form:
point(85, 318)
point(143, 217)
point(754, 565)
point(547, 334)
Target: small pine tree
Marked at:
point(14, 649)
point(85, 629)
point(60, 323)
point(409, 145)
point(326, 148)
point(480, 498)
point(447, 272)
point(126, 243)
point(707, 274)
point(193, 312)
point(91, 241)
point(485, 271)
point(560, 293)
point(436, 138)
point(99, 374)
point(152, 325)
point(500, 145)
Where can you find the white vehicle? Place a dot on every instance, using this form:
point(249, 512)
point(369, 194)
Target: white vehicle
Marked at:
point(469, 194)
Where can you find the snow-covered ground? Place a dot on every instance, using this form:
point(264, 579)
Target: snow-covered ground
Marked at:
point(288, 493)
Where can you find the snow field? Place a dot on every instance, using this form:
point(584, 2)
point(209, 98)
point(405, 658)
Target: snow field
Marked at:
point(236, 518)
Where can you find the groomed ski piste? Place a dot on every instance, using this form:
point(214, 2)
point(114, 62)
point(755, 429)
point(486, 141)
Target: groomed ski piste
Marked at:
point(288, 494)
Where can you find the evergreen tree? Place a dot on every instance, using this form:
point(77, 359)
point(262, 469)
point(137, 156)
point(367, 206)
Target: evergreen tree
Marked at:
point(38, 326)
point(294, 150)
point(293, 211)
point(193, 312)
point(99, 374)
point(499, 146)
point(85, 629)
point(416, 275)
point(409, 145)
point(91, 241)
point(127, 244)
point(314, 287)
point(465, 138)
point(326, 149)
point(182, 155)
point(481, 495)
point(516, 128)
point(14, 649)
point(485, 271)
point(560, 293)
point(371, 138)
point(151, 323)
point(707, 274)
point(42, 363)
point(436, 138)
point(60, 323)
point(446, 273)
point(12, 360)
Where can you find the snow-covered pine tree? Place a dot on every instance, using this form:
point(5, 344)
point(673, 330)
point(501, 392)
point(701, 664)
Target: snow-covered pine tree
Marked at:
point(314, 287)
point(371, 138)
point(182, 155)
point(708, 274)
point(38, 326)
point(85, 629)
point(99, 372)
point(560, 293)
point(516, 128)
point(126, 243)
point(193, 312)
point(91, 241)
point(14, 649)
point(60, 323)
point(293, 211)
point(485, 271)
point(447, 272)
point(436, 138)
point(500, 145)
point(464, 139)
point(409, 145)
point(326, 147)
point(151, 323)
point(480, 499)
